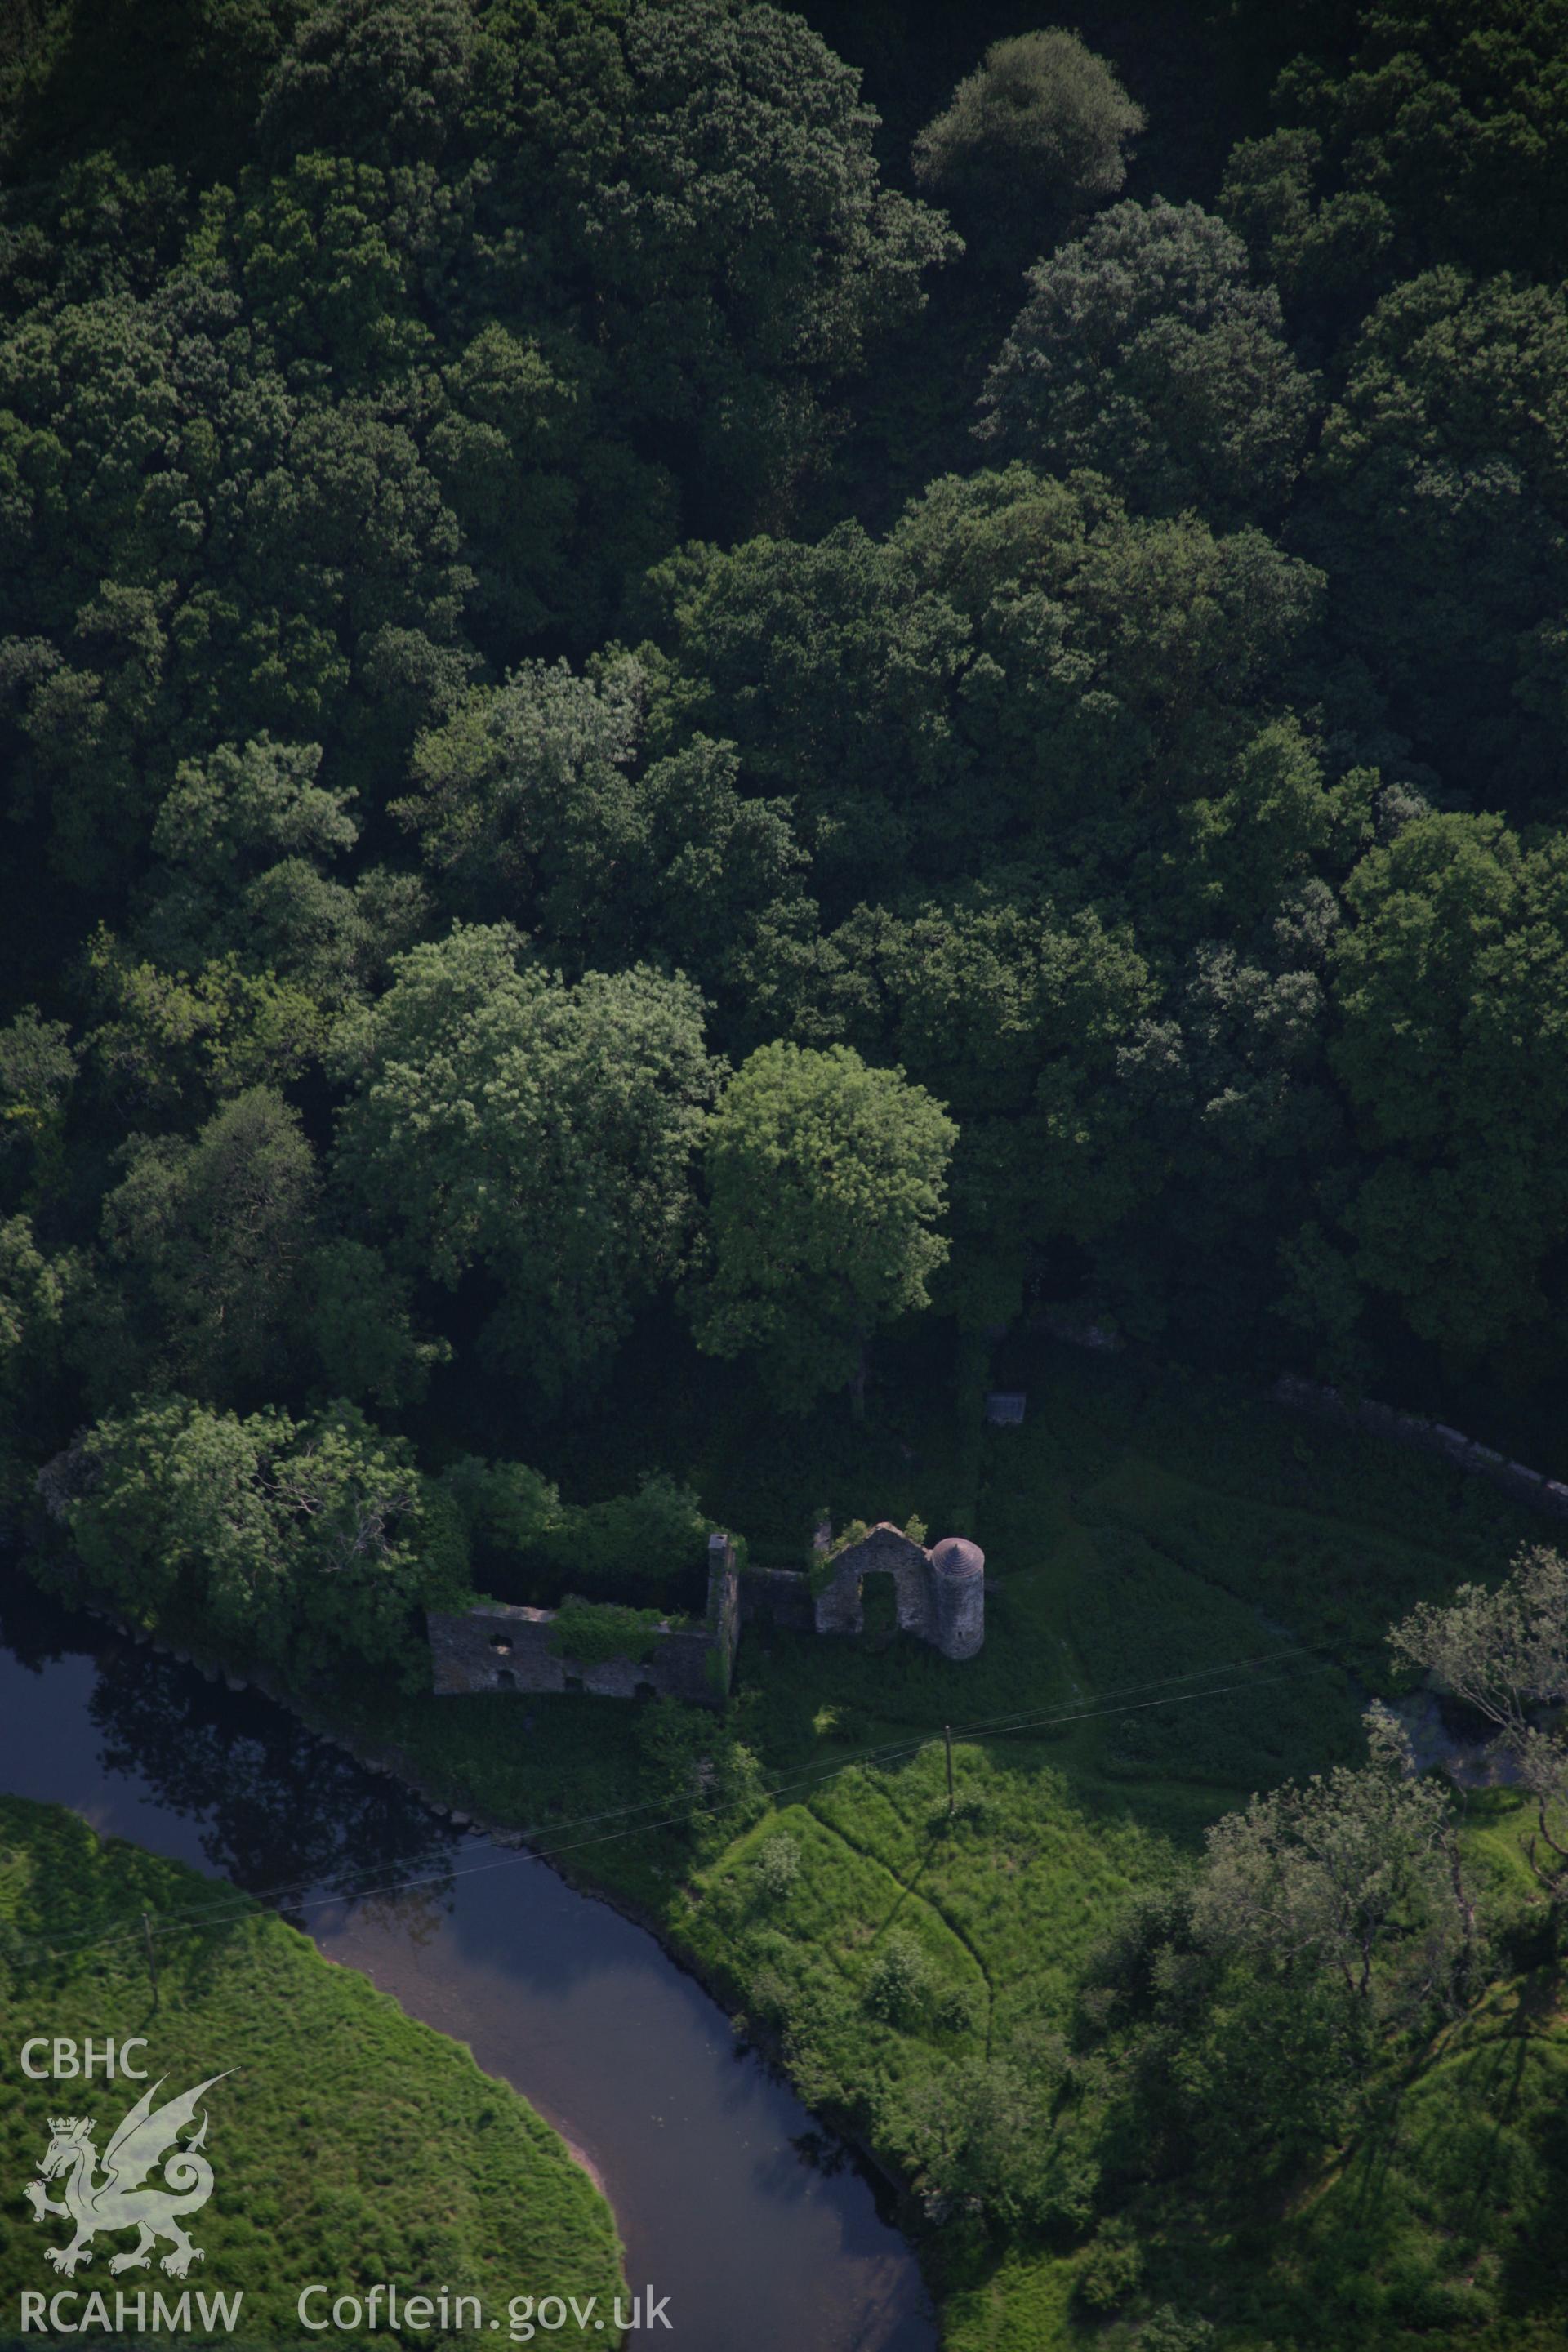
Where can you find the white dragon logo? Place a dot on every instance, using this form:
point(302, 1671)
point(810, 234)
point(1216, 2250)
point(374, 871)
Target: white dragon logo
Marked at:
point(119, 2201)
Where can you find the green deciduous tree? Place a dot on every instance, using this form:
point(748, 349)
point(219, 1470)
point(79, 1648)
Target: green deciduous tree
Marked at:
point(301, 1542)
point(826, 1181)
point(1242, 2077)
point(166, 1045)
point(629, 1547)
point(324, 940)
point(1145, 350)
point(1328, 1922)
point(1504, 1651)
point(210, 1239)
point(505, 1508)
point(384, 79)
point(1041, 129)
point(544, 1132)
point(979, 2136)
point(34, 1290)
point(174, 83)
point(558, 511)
point(1438, 503)
point(1442, 137)
point(356, 1319)
point(197, 550)
point(523, 770)
point(1019, 662)
point(1329, 254)
point(1451, 989)
point(38, 1292)
point(37, 1072)
point(740, 248)
point(1351, 1872)
point(1122, 662)
point(1225, 1092)
point(243, 839)
point(1013, 1014)
point(832, 670)
point(535, 803)
point(245, 805)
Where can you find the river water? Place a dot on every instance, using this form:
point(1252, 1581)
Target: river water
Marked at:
point(757, 2225)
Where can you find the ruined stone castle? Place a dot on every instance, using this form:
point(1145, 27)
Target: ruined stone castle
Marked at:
point(940, 1596)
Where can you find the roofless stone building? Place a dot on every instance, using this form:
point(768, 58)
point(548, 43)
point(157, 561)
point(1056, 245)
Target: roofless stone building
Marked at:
point(940, 1595)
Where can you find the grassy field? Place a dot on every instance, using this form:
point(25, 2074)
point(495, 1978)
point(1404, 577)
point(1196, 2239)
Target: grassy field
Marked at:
point(350, 2144)
point(1190, 1596)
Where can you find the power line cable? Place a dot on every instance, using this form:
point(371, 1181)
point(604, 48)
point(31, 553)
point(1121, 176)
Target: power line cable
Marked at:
point(203, 1915)
point(889, 1751)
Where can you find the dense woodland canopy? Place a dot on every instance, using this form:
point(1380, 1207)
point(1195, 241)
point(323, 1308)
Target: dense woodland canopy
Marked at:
point(695, 687)
point(567, 586)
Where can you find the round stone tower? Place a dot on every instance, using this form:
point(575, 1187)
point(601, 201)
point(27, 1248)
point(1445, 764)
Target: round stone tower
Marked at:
point(958, 1596)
